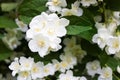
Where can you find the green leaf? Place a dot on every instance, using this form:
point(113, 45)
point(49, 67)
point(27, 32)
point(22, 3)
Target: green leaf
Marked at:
point(8, 6)
point(82, 26)
point(6, 22)
point(113, 4)
point(25, 19)
point(107, 60)
point(1, 35)
point(4, 51)
point(103, 58)
point(75, 30)
point(87, 34)
point(113, 63)
point(30, 8)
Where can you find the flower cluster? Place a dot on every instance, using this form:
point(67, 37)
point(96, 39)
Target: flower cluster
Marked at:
point(45, 32)
point(69, 76)
point(48, 33)
point(11, 38)
point(107, 36)
point(27, 69)
point(94, 67)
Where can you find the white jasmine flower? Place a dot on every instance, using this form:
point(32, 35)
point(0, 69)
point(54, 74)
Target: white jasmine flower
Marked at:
point(87, 3)
point(75, 10)
point(15, 66)
point(37, 25)
point(106, 74)
point(93, 68)
point(66, 12)
point(73, 48)
point(112, 25)
point(48, 69)
point(56, 5)
point(101, 37)
point(12, 43)
point(70, 42)
point(25, 75)
point(55, 44)
point(56, 26)
point(56, 63)
point(113, 45)
point(97, 19)
point(116, 14)
point(68, 61)
point(22, 26)
point(82, 78)
point(26, 63)
point(68, 76)
point(76, 51)
point(40, 79)
point(37, 70)
point(118, 69)
point(40, 44)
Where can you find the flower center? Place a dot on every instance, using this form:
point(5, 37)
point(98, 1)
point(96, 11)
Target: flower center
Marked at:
point(56, 2)
point(41, 43)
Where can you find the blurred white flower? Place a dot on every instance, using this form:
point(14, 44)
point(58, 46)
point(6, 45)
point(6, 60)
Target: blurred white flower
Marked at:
point(15, 67)
point(56, 63)
point(12, 43)
point(75, 10)
point(116, 14)
point(72, 47)
point(112, 25)
point(37, 70)
point(49, 69)
point(113, 45)
point(106, 74)
point(101, 37)
point(68, 76)
point(83, 78)
point(25, 75)
point(118, 69)
point(22, 26)
point(87, 3)
point(68, 61)
point(26, 63)
point(93, 68)
point(56, 5)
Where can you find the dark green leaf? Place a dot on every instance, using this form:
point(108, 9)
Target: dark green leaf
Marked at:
point(113, 4)
point(113, 63)
point(6, 22)
point(107, 60)
point(82, 26)
point(1, 36)
point(87, 34)
point(75, 30)
point(30, 8)
point(25, 19)
point(103, 58)
point(4, 51)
